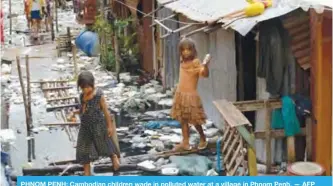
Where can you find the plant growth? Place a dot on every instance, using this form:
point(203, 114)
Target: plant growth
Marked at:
point(118, 29)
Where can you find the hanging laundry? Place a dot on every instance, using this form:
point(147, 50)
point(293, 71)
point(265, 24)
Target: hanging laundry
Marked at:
point(285, 118)
point(275, 55)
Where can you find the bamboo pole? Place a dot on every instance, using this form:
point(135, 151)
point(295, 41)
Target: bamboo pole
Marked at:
point(56, 16)
point(10, 17)
point(69, 40)
point(31, 142)
point(117, 57)
point(74, 61)
point(52, 27)
point(28, 88)
point(25, 104)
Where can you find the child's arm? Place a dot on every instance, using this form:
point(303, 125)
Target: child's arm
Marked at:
point(107, 115)
point(203, 68)
point(204, 72)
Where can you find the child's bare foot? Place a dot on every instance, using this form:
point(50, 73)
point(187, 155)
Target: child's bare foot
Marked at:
point(182, 147)
point(202, 145)
point(115, 162)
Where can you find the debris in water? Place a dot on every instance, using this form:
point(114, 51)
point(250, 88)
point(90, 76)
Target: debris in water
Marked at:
point(7, 136)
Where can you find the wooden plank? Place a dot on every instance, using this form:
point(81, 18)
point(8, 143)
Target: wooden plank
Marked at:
point(62, 124)
point(295, 31)
point(246, 135)
point(227, 141)
point(291, 149)
point(302, 36)
point(239, 160)
point(300, 45)
point(254, 105)
point(59, 107)
point(195, 31)
point(308, 131)
point(56, 88)
point(161, 20)
point(302, 53)
point(236, 153)
point(182, 28)
point(276, 133)
point(296, 22)
point(61, 98)
point(162, 25)
point(252, 160)
point(51, 81)
point(231, 114)
point(231, 148)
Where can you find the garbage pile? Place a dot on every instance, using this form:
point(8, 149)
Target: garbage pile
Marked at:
point(125, 95)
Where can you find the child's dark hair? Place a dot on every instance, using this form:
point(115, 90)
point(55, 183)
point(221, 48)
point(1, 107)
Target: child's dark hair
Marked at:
point(86, 79)
point(189, 44)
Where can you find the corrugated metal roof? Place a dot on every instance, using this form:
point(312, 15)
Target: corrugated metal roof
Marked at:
point(213, 10)
point(204, 10)
point(328, 3)
point(243, 26)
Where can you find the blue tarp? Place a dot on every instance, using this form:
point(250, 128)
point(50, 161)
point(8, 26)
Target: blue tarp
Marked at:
point(160, 124)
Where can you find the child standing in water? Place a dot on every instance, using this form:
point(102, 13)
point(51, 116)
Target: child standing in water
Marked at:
point(187, 107)
point(96, 125)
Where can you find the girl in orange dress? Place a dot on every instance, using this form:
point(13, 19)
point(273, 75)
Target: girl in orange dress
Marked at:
point(187, 107)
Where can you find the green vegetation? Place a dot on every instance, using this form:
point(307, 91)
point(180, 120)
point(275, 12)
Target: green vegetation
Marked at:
point(119, 29)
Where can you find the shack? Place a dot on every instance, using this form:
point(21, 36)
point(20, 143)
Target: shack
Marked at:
point(238, 69)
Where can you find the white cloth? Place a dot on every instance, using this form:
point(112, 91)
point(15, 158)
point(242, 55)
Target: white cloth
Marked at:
point(35, 6)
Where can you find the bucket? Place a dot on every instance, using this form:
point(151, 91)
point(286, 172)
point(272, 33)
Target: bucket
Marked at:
point(305, 169)
point(88, 42)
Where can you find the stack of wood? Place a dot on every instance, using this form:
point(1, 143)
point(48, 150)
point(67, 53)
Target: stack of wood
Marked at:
point(238, 142)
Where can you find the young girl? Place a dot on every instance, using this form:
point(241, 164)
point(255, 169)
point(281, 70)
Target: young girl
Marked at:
point(187, 107)
point(96, 125)
point(36, 9)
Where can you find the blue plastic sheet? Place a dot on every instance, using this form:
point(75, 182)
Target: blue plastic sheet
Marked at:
point(160, 124)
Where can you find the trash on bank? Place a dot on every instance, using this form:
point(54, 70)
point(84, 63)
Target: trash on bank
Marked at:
point(7, 136)
point(193, 165)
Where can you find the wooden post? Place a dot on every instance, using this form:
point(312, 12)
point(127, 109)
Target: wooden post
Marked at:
point(31, 142)
point(25, 104)
point(115, 135)
point(52, 28)
point(117, 57)
point(321, 85)
point(240, 67)
point(291, 149)
point(268, 140)
point(74, 61)
point(28, 88)
point(56, 16)
point(10, 20)
point(69, 41)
